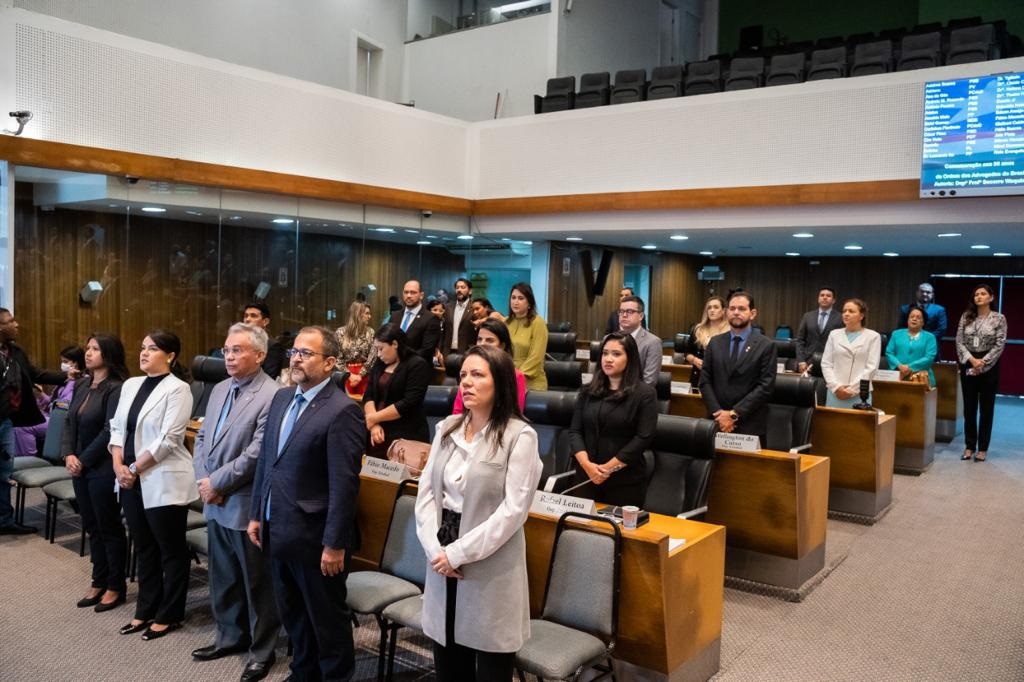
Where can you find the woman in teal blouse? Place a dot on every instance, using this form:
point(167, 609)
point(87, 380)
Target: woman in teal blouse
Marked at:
point(913, 349)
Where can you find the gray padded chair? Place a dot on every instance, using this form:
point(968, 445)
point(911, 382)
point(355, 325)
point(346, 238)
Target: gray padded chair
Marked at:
point(703, 78)
point(579, 619)
point(920, 51)
point(21, 463)
point(198, 541)
point(786, 69)
point(560, 96)
point(745, 73)
point(37, 477)
point(594, 90)
point(60, 491)
point(666, 82)
point(630, 86)
point(403, 570)
point(872, 58)
point(972, 44)
point(827, 63)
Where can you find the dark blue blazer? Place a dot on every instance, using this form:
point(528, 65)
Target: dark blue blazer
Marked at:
point(315, 481)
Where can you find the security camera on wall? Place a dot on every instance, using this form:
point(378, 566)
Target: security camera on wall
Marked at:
point(262, 291)
point(90, 293)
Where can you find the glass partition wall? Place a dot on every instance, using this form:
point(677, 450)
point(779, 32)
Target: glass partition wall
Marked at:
point(100, 253)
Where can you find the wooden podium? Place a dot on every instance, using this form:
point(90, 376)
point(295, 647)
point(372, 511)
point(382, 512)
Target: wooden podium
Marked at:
point(861, 446)
point(914, 406)
point(670, 604)
point(949, 412)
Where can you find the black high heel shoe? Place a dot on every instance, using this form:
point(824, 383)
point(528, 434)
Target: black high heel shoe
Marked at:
point(132, 628)
point(150, 633)
point(968, 454)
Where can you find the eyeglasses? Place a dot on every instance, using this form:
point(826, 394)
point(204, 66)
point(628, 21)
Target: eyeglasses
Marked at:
point(626, 312)
point(303, 353)
point(234, 350)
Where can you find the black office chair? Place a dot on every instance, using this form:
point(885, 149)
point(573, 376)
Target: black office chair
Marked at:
point(207, 372)
point(972, 44)
point(663, 388)
point(561, 346)
point(594, 90)
point(564, 375)
point(679, 466)
point(550, 415)
point(452, 367)
point(560, 96)
point(783, 331)
point(920, 51)
point(438, 404)
point(872, 58)
point(630, 86)
point(790, 412)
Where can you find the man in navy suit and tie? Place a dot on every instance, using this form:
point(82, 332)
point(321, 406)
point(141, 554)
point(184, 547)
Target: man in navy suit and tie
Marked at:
point(815, 326)
point(739, 372)
point(422, 329)
point(303, 511)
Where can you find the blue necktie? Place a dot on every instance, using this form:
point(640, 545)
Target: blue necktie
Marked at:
point(289, 421)
point(735, 349)
point(821, 321)
point(232, 394)
point(406, 320)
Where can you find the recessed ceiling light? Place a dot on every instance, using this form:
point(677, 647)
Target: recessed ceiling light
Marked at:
point(505, 239)
point(890, 254)
point(1002, 253)
point(679, 237)
point(980, 247)
point(194, 212)
point(707, 253)
point(282, 221)
point(112, 205)
point(853, 247)
point(235, 217)
point(649, 247)
point(792, 253)
point(574, 239)
point(950, 234)
point(423, 242)
point(466, 237)
point(431, 236)
point(528, 243)
point(803, 235)
point(384, 229)
point(412, 231)
point(154, 209)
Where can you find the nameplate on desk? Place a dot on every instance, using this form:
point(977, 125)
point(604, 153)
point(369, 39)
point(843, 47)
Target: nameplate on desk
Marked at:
point(586, 378)
point(681, 387)
point(384, 469)
point(583, 354)
point(780, 368)
point(667, 360)
point(554, 505)
point(887, 375)
point(737, 441)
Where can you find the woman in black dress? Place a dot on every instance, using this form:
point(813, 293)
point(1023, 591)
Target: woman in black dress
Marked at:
point(393, 402)
point(84, 448)
point(613, 424)
point(712, 323)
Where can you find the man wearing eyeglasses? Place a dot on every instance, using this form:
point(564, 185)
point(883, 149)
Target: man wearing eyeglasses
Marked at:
point(631, 317)
point(303, 511)
point(613, 319)
point(226, 452)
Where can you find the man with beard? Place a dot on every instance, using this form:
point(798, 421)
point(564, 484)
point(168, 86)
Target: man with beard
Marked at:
point(422, 330)
point(459, 332)
point(739, 372)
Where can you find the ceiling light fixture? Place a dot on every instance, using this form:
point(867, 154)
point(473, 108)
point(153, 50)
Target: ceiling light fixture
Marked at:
point(980, 247)
point(574, 239)
point(466, 237)
point(792, 253)
point(707, 253)
point(423, 242)
point(282, 221)
point(853, 247)
point(1002, 253)
point(679, 237)
point(891, 254)
point(950, 234)
point(154, 209)
point(649, 247)
point(387, 230)
point(803, 235)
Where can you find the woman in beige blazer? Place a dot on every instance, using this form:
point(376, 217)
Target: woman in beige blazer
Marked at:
point(156, 481)
point(851, 355)
point(473, 500)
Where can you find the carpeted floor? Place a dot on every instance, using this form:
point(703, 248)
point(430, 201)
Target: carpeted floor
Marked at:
point(932, 592)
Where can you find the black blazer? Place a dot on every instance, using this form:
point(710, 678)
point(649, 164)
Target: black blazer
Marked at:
point(423, 334)
point(28, 413)
point(608, 428)
point(808, 339)
point(314, 483)
point(406, 390)
point(86, 435)
point(744, 387)
point(275, 360)
point(467, 330)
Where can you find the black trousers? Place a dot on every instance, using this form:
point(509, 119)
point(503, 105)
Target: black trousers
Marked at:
point(159, 535)
point(316, 617)
point(979, 393)
point(457, 663)
point(101, 519)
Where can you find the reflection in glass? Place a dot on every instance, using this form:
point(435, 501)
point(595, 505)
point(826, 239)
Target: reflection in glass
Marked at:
point(429, 18)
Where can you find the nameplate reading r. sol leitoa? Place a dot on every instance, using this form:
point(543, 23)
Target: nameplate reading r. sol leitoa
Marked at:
point(554, 505)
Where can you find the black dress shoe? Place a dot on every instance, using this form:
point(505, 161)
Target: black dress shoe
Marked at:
point(101, 607)
point(213, 652)
point(132, 628)
point(86, 602)
point(150, 633)
point(17, 529)
point(257, 670)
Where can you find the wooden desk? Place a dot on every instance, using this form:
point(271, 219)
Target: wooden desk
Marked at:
point(439, 376)
point(670, 605)
point(914, 406)
point(774, 506)
point(861, 446)
point(687, 405)
point(678, 372)
point(949, 410)
point(190, 433)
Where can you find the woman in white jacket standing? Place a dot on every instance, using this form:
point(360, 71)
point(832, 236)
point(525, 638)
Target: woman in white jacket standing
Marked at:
point(851, 355)
point(156, 481)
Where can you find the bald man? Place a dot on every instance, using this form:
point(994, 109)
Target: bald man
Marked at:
point(422, 329)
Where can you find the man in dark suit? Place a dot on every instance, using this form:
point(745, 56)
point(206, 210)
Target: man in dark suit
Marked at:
point(258, 314)
point(613, 320)
point(303, 511)
point(422, 329)
point(739, 372)
point(459, 332)
point(815, 326)
point(17, 408)
point(936, 321)
point(226, 452)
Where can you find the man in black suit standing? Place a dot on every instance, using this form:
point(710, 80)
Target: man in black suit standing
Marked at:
point(815, 326)
point(303, 510)
point(422, 329)
point(459, 332)
point(258, 314)
point(739, 372)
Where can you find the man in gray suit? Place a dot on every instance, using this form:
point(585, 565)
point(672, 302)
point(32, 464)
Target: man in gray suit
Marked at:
point(226, 451)
point(815, 326)
point(631, 317)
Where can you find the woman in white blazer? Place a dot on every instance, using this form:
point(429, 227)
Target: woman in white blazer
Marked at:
point(851, 355)
point(154, 474)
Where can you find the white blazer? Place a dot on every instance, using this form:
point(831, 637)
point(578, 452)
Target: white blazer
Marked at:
point(846, 364)
point(160, 431)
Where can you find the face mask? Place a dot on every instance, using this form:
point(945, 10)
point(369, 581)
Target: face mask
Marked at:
point(65, 367)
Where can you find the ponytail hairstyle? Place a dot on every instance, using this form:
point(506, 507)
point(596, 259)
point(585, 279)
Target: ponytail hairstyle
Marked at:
point(169, 342)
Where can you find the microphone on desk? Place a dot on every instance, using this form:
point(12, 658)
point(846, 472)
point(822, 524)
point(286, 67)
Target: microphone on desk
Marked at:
point(865, 392)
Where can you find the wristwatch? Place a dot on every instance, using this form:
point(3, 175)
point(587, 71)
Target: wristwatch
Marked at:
point(735, 417)
point(133, 469)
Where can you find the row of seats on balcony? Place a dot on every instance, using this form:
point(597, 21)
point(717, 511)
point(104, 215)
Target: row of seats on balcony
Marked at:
point(915, 50)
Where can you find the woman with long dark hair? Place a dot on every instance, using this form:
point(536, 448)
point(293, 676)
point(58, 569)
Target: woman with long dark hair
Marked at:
point(529, 335)
point(156, 481)
point(613, 424)
point(84, 443)
point(980, 339)
point(474, 497)
point(393, 402)
point(494, 333)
